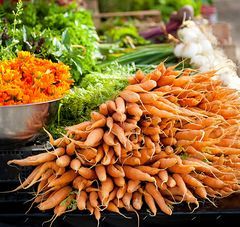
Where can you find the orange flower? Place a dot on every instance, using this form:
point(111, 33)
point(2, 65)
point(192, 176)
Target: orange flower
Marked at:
point(27, 79)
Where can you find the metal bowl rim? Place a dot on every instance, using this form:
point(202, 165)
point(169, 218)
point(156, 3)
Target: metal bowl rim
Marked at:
point(31, 104)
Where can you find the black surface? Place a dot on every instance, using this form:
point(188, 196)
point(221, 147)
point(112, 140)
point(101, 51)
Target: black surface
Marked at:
point(13, 205)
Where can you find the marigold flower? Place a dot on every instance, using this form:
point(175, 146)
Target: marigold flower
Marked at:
point(27, 79)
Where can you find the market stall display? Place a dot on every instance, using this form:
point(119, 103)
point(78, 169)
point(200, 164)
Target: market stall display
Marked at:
point(141, 128)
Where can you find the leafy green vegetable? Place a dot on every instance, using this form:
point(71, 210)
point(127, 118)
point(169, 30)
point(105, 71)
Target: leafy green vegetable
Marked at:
point(125, 34)
point(65, 34)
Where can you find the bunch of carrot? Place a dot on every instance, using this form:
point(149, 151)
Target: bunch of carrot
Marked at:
point(170, 136)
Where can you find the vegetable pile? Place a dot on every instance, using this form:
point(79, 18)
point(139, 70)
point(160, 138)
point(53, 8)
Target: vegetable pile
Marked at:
point(27, 79)
point(169, 137)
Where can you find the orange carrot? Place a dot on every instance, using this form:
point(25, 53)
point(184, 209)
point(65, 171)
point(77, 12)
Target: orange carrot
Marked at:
point(38, 159)
point(75, 164)
point(119, 132)
point(151, 189)
point(120, 104)
point(180, 183)
point(55, 199)
point(115, 171)
point(119, 117)
point(101, 172)
point(127, 199)
point(70, 149)
point(82, 200)
point(87, 173)
point(66, 178)
point(137, 200)
point(119, 181)
point(94, 137)
point(111, 106)
point(93, 199)
point(148, 169)
point(129, 96)
point(133, 185)
point(135, 174)
point(150, 202)
point(103, 109)
point(107, 187)
point(63, 161)
point(121, 192)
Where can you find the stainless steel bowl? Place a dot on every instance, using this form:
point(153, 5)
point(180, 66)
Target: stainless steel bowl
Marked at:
point(22, 123)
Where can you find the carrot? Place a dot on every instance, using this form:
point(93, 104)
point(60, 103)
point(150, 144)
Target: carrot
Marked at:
point(93, 199)
point(87, 173)
point(97, 124)
point(55, 199)
point(129, 96)
point(169, 141)
point(107, 187)
point(38, 159)
point(70, 149)
point(139, 75)
point(213, 182)
point(100, 154)
point(145, 157)
point(127, 199)
point(148, 169)
point(180, 183)
point(163, 175)
point(151, 130)
point(63, 206)
point(44, 181)
point(190, 135)
point(120, 104)
point(82, 200)
point(97, 215)
point(192, 181)
point(151, 189)
point(119, 117)
point(119, 133)
point(148, 85)
point(43, 168)
point(75, 164)
point(107, 159)
point(121, 192)
point(148, 98)
point(103, 109)
point(111, 106)
point(101, 172)
point(115, 171)
point(135, 88)
point(133, 185)
point(201, 191)
point(134, 109)
point(182, 169)
point(150, 202)
point(81, 126)
point(159, 113)
point(111, 197)
point(63, 161)
point(113, 208)
point(66, 178)
point(119, 181)
point(171, 182)
point(108, 138)
point(80, 183)
point(161, 185)
point(94, 137)
point(135, 174)
point(137, 200)
point(88, 153)
point(167, 163)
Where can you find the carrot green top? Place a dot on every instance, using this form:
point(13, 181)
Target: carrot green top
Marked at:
point(27, 79)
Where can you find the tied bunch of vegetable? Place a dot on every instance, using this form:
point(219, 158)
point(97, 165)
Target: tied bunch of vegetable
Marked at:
point(169, 137)
point(27, 79)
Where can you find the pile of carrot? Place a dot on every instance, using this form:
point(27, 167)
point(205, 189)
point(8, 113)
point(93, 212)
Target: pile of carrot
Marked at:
point(169, 137)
